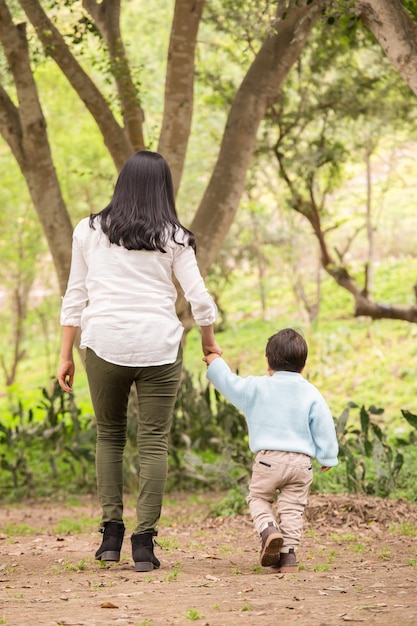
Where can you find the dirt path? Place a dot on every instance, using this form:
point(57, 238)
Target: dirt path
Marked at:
point(358, 564)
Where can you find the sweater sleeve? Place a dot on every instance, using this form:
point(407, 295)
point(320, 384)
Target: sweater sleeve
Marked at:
point(323, 432)
point(231, 386)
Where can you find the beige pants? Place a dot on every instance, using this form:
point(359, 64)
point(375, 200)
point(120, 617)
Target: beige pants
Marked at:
point(289, 473)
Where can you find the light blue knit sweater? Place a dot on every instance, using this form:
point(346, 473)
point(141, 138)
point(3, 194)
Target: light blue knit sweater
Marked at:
point(283, 412)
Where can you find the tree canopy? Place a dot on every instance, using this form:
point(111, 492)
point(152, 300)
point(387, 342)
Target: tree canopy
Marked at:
point(269, 72)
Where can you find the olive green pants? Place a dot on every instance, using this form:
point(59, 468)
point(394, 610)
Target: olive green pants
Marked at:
point(157, 388)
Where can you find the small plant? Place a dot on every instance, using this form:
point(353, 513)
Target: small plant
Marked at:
point(359, 547)
point(331, 557)
point(321, 568)
point(193, 615)
point(145, 622)
point(76, 526)
point(246, 607)
point(385, 554)
point(78, 567)
point(343, 538)
point(18, 529)
point(172, 576)
point(407, 529)
point(227, 550)
point(169, 544)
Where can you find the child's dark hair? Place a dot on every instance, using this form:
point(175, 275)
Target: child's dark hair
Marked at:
point(287, 351)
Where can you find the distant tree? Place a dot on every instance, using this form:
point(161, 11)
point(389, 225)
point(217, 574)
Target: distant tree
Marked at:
point(317, 125)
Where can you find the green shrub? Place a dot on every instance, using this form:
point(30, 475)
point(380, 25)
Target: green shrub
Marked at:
point(53, 454)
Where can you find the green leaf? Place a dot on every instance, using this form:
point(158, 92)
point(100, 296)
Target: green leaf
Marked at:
point(410, 417)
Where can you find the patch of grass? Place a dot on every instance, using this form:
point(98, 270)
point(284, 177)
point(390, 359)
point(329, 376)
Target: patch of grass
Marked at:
point(331, 557)
point(359, 547)
point(13, 529)
point(246, 607)
point(227, 550)
point(193, 615)
point(385, 554)
point(347, 538)
point(172, 576)
point(196, 545)
point(76, 567)
point(406, 529)
point(76, 526)
point(322, 567)
point(169, 544)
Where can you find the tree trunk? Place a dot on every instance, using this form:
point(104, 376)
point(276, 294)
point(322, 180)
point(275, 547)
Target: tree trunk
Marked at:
point(179, 86)
point(396, 33)
point(24, 129)
point(259, 90)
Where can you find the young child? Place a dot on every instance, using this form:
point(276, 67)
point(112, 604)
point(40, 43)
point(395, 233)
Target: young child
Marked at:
point(289, 424)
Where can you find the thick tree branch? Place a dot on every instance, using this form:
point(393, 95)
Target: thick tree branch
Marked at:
point(396, 33)
point(106, 16)
point(114, 137)
point(179, 85)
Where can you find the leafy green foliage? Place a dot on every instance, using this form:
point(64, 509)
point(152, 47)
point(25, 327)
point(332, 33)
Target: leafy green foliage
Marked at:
point(366, 441)
point(208, 449)
point(209, 442)
point(56, 453)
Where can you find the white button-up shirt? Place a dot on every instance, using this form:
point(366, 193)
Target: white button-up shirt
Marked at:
point(124, 300)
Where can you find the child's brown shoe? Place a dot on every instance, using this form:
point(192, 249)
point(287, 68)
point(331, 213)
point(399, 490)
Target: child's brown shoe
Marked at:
point(287, 563)
point(271, 540)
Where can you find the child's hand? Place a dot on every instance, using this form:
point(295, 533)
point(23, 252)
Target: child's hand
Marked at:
point(209, 358)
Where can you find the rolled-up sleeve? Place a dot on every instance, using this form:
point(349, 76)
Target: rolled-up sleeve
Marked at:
point(185, 268)
point(75, 298)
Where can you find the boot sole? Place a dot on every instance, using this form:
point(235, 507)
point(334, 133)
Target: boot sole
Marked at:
point(145, 566)
point(110, 555)
point(271, 551)
point(287, 569)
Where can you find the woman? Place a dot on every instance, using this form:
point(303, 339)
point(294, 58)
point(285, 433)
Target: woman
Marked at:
point(121, 293)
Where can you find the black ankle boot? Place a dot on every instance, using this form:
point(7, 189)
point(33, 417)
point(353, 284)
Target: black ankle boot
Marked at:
point(142, 552)
point(113, 534)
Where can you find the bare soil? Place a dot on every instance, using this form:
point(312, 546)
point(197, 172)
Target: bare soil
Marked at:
point(358, 563)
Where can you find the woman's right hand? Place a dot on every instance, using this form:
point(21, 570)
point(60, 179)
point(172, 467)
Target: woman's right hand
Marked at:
point(65, 374)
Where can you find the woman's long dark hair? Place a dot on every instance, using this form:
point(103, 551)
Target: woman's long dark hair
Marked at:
point(141, 214)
